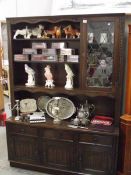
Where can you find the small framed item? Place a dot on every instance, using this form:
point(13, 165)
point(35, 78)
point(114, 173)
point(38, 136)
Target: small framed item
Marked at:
point(28, 105)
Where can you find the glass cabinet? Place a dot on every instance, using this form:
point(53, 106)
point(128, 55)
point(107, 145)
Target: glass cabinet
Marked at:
point(100, 53)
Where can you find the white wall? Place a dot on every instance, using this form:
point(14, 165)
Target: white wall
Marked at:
point(19, 8)
point(67, 7)
point(7, 8)
point(33, 7)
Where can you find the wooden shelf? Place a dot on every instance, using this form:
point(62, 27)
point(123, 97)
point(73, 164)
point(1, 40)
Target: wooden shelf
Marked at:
point(47, 39)
point(49, 62)
point(75, 91)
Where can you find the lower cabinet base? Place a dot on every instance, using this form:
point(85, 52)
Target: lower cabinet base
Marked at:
point(49, 170)
point(43, 169)
point(62, 151)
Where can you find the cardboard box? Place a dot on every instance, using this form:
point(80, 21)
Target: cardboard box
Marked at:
point(21, 57)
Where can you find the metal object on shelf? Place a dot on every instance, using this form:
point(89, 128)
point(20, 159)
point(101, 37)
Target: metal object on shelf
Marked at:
point(28, 105)
point(60, 108)
point(17, 108)
point(41, 103)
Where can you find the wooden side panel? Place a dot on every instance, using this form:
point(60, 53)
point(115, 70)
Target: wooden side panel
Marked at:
point(128, 81)
point(125, 145)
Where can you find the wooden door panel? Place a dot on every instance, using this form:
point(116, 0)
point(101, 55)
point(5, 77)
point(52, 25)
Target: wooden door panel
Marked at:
point(24, 149)
point(58, 154)
point(95, 159)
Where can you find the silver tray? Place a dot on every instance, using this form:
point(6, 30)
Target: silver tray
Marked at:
point(60, 107)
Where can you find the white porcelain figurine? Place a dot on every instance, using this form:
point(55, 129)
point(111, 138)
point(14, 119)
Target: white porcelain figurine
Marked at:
point(31, 76)
point(49, 77)
point(69, 77)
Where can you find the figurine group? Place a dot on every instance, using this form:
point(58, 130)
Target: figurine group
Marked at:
point(41, 32)
point(27, 33)
point(49, 82)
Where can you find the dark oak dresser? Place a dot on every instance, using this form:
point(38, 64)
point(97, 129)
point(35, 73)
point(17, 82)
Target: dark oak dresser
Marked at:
point(59, 149)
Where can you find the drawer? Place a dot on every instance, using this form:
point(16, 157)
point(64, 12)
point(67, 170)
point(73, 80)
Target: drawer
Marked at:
point(96, 139)
point(21, 129)
point(53, 134)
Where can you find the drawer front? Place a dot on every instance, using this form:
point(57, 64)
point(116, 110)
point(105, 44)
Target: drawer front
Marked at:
point(96, 139)
point(22, 129)
point(53, 134)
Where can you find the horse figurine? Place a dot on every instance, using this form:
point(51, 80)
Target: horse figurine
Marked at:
point(69, 77)
point(70, 32)
point(31, 76)
point(54, 33)
point(27, 33)
point(49, 77)
point(37, 31)
point(24, 32)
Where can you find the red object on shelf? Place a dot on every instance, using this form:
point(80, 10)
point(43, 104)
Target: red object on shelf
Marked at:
point(2, 119)
point(102, 120)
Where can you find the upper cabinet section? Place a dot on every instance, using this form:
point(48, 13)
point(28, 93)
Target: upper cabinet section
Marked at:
point(89, 44)
point(100, 48)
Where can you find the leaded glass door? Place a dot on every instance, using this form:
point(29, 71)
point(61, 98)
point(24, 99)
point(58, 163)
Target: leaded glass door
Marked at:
point(100, 51)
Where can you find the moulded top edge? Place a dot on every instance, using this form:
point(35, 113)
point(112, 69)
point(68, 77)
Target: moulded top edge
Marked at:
point(35, 19)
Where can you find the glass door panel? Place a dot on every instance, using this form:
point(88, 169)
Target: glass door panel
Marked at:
point(100, 53)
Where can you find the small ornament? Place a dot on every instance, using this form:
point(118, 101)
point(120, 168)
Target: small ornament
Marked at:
point(69, 77)
point(31, 76)
point(49, 77)
point(17, 108)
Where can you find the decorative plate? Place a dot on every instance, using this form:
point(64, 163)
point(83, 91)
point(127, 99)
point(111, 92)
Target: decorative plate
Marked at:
point(41, 102)
point(60, 107)
point(28, 105)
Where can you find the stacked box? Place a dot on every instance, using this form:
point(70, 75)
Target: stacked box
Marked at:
point(21, 57)
point(29, 51)
point(66, 51)
point(58, 45)
point(73, 58)
point(40, 57)
point(48, 52)
point(41, 45)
